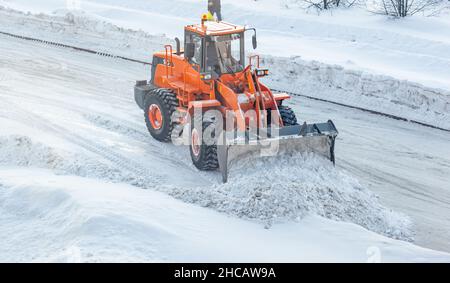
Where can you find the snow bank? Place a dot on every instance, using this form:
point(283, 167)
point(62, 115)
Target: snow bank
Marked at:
point(361, 89)
point(78, 29)
point(41, 225)
point(22, 151)
point(270, 191)
point(287, 188)
point(70, 227)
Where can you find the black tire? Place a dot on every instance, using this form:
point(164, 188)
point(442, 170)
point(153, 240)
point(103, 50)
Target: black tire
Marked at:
point(167, 102)
point(206, 158)
point(288, 116)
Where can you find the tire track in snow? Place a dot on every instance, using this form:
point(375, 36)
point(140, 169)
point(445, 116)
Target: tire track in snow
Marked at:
point(128, 129)
point(118, 160)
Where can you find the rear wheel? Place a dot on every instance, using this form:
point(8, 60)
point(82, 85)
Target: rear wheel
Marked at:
point(288, 116)
point(160, 105)
point(203, 145)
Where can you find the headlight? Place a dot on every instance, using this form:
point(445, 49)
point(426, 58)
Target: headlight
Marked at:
point(206, 76)
point(262, 72)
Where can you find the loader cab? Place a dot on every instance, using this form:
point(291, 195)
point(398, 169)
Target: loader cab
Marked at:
point(215, 48)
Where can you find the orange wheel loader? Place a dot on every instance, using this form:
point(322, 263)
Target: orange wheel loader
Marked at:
point(209, 96)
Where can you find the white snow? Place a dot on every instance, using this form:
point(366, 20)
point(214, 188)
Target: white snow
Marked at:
point(70, 219)
point(74, 151)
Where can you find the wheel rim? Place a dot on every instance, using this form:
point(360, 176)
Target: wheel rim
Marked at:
point(195, 142)
point(155, 116)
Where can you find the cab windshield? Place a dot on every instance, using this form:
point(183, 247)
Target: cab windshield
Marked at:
point(224, 54)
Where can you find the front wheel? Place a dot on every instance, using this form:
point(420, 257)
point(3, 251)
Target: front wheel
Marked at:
point(288, 116)
point(203, 145)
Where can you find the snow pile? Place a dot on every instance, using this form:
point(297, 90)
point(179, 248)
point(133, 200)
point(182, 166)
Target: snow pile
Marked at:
point(67, 228)
point(287, 188)
point(54, 220)
point(267, 190)
point(358, 88)
point(21, 151)
point(78, 29)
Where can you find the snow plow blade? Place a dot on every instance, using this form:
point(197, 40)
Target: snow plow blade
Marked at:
point(316, 138)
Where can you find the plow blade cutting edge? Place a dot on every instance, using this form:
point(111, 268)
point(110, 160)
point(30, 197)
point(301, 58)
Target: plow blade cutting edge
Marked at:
point(315, 138)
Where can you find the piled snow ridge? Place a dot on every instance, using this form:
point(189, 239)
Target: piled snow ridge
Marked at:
point(266, 190)
point(361, 89)
point(53, 214)
point(51, 224)
point(21, 151)
point(78, 29)
point(274, 189)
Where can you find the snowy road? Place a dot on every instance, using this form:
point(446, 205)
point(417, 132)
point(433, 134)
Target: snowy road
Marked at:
point(83, 103)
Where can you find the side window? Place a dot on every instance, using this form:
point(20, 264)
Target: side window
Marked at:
point(197, 40)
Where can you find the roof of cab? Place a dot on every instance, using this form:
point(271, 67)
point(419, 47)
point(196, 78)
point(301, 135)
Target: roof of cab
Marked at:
point(215, 28)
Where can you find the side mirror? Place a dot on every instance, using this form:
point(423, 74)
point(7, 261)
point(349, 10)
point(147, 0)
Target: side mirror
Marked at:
point(254, 42)
point(189, 50)
point(177, 40)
